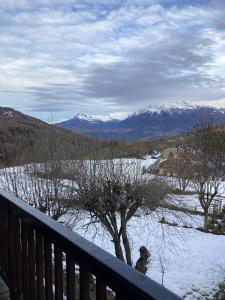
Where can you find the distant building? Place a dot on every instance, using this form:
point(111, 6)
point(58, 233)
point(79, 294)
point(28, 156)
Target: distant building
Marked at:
point(166, 165)
point(169, 153)
point(166, 168)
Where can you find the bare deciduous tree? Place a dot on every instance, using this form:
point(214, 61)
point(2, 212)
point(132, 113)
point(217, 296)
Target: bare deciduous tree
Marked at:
point(183, 168)
point(112, 192)
point(208, 164)
point(40, 183)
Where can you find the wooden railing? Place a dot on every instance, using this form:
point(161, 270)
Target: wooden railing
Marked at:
point(42, 259)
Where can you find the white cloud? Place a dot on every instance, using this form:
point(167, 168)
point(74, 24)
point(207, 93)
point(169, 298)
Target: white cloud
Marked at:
point(104, 56)
point(111, 116)
point(14, 4)
point(216, 103)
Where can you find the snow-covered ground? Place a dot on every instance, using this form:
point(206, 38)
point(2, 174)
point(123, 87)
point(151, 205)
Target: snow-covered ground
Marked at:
point(192, 202)
point(188, 201)
point(194, 261)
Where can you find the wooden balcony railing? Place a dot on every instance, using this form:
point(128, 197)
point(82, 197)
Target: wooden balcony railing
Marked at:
point(42, 259)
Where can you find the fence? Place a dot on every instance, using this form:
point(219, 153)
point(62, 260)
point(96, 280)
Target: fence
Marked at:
point(42, 259)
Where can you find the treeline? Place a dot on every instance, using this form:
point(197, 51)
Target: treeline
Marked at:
point(19, 142)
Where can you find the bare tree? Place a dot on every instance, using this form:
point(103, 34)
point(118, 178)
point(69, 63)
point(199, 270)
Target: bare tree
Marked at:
point(163, 263)
point(182, 168)
point(112, 192)
point(40, 183)
point(208, 164)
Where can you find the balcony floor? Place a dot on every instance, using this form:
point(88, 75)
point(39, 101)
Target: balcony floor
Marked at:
point(4, 291)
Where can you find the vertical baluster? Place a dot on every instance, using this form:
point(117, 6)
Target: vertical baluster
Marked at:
point(3, 245)
point(84, 283)
point(5, 239)
point(40, 266)
point(1, 239)
point(25, 261)
point(48, 270)
point(32, 265)
point(100, 289)
point(70, 279)
point(58, 274)
point(12, 262)
point(121, 295)
point(18, 255)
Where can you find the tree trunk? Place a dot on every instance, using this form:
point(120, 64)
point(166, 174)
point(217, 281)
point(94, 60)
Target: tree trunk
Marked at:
point(118, 249)
point(206, 215)
point(180, 184)
point(183, 185)
point(126, 243)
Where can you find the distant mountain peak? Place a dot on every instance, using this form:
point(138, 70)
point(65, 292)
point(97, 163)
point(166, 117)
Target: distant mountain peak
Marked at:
point(101, 118)
point(184, 105)
point(85, 117)
point(177, 108)
point(154, 122)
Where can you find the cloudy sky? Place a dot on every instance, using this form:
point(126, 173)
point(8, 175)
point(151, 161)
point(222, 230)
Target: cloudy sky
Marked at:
point(63, 57)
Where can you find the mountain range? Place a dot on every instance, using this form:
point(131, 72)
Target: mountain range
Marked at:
point(26, 139)
point(155, 122)
point(22, 136)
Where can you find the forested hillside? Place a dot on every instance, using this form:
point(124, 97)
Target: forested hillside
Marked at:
point(22, 137)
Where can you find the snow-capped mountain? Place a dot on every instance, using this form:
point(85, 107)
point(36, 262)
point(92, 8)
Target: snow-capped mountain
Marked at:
point(99, 118)
point(87, 124)
point(151, 123)
point(87, 118)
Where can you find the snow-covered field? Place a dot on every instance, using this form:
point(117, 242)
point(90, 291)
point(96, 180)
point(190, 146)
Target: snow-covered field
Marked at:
point(194, 262)
point(192, 202)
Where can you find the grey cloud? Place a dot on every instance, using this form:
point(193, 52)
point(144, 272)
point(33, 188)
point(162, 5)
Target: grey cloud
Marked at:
point(173, 72)
point(109, 55)
point(55, 97)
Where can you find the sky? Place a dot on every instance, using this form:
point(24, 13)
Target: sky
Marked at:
point(59, 58)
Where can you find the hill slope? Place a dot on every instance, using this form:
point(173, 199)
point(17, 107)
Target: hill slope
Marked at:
point(22, 136)
point(150, 124)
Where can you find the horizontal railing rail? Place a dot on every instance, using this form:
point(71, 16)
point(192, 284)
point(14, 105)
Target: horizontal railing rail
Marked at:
point(42, 259)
